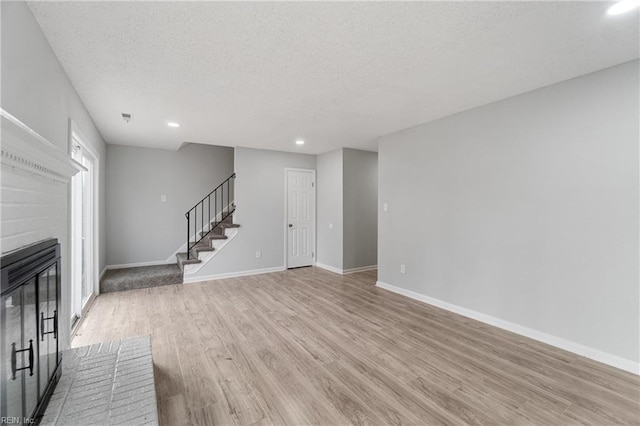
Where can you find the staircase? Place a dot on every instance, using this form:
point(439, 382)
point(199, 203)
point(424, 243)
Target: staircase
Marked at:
point(201, 251)
point(209, 228)
point(207, 223)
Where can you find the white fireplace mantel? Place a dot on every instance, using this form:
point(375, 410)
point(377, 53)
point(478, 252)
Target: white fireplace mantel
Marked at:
point(25, 149)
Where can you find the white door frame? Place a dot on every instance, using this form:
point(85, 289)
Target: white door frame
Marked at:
point(77, 137)
point(285, 225)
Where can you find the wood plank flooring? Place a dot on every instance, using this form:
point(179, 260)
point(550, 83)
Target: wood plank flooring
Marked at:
point(307, 346)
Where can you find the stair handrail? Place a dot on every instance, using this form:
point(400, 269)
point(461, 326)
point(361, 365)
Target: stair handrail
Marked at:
point(212, 222)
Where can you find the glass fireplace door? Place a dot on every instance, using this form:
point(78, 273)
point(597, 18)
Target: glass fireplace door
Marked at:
point(48, 315)
point(30, 344)
point(20, 348)
point(12, 334)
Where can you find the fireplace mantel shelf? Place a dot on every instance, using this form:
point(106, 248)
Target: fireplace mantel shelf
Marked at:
point(25, 149)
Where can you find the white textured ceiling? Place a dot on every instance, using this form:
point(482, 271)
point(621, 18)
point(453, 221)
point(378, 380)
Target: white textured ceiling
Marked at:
point(335, 74)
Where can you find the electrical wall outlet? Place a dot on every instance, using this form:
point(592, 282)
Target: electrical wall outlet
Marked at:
point(403, 269)
point(163, 198)
point(385, 207)
point(330, 225)
point(258, 254)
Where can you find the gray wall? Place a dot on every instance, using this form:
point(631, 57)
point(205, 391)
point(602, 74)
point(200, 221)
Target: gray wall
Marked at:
point(360, 170)
point(141, 227)
point(330, 209)
point(36, 90)
point(525, 210)
point(260, 211)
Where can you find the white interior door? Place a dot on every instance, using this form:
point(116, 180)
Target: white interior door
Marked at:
point(301, 220)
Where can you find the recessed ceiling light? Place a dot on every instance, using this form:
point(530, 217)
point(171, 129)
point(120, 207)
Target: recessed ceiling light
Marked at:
point(299, 142)
point(623, 6)
point(172, 124)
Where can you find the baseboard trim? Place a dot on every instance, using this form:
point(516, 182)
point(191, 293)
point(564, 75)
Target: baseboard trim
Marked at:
point(567, 345)
point(346, 271)
point(329, 268)
point(139, 264)
point(102, 273)
point(360, 269)
point(191, 280)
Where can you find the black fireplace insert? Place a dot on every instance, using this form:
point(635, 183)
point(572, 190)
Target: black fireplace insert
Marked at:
point(29, 311)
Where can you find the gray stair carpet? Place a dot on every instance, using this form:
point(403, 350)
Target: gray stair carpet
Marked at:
point(141, 277)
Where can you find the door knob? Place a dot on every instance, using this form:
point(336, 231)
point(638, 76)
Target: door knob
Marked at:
point(291, 225)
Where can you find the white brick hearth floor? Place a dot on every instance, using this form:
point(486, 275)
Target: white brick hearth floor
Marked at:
point(107, 383)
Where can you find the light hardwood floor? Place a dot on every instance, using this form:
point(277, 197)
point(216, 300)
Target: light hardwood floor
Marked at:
point(307, 346)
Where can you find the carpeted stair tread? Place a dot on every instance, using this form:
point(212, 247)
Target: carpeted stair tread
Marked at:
point(140, 277)
point(182, 259)
point(217, 237)
point(203, 247)
point(229, 225)
point(218, 230)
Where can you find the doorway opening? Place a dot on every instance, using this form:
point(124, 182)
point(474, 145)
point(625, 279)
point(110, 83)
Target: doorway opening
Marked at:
point(83, 226)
